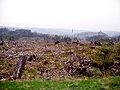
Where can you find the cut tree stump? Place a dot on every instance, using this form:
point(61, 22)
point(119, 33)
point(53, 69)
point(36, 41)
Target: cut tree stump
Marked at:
point(19, 67)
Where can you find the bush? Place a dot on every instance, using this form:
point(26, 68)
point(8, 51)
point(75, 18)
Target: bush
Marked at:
point(104, 55)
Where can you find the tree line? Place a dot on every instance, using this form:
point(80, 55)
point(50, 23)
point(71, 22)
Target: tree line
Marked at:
point(102, 38)
point(6, 34)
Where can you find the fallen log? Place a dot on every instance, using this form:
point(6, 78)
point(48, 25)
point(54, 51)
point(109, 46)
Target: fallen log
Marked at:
point(19, 67)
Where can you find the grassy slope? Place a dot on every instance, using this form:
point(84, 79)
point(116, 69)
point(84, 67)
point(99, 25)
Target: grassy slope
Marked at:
point(111, 83)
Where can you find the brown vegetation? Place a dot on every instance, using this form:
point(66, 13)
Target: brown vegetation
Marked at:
point(47, 60)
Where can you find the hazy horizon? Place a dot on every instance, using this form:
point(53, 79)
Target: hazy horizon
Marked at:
point(86, 15)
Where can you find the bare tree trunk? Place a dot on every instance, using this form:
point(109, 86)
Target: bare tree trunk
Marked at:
point(19, 67)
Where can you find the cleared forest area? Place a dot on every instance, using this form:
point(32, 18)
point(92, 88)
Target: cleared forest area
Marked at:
point(59, 58)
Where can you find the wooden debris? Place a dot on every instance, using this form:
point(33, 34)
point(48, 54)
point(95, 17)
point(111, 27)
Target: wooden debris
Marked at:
point(19, 67)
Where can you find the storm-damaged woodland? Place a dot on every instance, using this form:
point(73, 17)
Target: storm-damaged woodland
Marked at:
point(28, 55)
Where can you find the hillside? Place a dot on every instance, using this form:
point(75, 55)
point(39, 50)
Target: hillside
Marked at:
point(112, 33)
point(85, 35)
point(62, 31)
point(8, 34)
point(52, 34)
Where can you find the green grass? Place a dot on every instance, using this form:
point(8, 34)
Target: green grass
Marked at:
point(110, 83)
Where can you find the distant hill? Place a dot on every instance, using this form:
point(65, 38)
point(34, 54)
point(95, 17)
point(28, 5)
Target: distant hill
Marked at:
point(85, 35)
point(60, 31)
point(112, 33)
point(10, 34)
point(55, 31)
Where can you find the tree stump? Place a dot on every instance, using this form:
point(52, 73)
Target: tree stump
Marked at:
point(19, 67)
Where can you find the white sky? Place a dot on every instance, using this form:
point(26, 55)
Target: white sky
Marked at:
point(68, 14)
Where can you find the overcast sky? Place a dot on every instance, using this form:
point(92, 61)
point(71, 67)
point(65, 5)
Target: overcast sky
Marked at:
point(67, 14)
